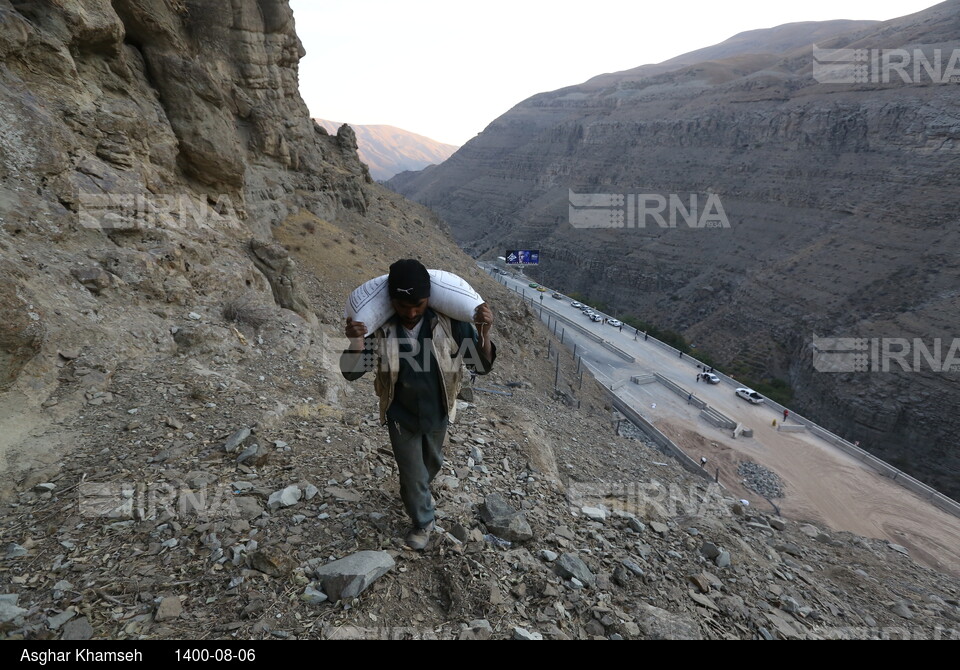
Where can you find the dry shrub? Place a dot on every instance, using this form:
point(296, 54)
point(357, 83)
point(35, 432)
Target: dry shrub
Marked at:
point(246, 310)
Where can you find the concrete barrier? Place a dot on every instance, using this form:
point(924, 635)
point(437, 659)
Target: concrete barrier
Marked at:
point(619, 352)
point(593, 336)
point(664, 443)
point(791, 428)
point(885, 469)
point(718, 419)
point(713, 419)
point(643, 379)
point(680, 391)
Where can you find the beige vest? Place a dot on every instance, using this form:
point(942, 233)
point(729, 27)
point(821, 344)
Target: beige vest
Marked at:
point(444, 347)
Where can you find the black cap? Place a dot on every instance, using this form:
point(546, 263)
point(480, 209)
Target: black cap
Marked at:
point(409, 280)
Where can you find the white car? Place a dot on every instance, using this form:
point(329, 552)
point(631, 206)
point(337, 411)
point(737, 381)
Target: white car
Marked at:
point(614, 323)
point(749, 395)
point(578, 305)
point(710, 378)
point(596, 317)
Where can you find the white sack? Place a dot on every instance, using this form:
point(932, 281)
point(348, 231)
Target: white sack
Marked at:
point(370, 304)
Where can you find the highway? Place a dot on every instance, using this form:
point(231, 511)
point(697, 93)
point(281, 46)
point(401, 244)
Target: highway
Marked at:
point(823, 484)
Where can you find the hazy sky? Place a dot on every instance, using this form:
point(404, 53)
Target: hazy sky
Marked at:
point(446, 69)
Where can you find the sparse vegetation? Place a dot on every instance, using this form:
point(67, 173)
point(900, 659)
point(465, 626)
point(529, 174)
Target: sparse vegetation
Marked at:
point(246, 310)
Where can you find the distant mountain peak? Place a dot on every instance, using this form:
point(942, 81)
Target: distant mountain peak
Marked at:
point(388, 150)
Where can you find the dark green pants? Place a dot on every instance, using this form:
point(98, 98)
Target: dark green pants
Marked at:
point(419, 458)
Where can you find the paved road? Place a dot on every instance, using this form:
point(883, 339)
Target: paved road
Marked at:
point(823, 485)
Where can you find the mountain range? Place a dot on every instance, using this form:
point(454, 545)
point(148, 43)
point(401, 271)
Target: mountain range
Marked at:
point(388, 150)
point(837, 188)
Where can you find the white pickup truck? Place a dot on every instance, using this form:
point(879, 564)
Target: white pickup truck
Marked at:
point(749, 395)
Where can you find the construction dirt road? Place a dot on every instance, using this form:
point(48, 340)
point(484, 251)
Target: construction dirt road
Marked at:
point(822, 484)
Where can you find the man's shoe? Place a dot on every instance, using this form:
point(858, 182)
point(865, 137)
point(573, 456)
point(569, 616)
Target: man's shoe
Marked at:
point(418, 538)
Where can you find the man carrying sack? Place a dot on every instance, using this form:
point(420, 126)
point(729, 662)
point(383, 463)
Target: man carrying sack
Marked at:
point(418, 357)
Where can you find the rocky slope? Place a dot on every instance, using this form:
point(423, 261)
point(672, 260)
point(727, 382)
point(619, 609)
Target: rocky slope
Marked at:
point(181, 457)
point(839, 204)
point(387, 150)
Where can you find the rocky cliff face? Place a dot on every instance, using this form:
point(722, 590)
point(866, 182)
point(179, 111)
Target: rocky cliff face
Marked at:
point(150, 152)
point(839, 199)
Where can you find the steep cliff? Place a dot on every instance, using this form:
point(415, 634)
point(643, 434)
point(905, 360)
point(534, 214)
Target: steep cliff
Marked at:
point(151, 154)
point(839, 199)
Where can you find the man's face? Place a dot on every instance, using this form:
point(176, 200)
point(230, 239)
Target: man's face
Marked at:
point(410, 312)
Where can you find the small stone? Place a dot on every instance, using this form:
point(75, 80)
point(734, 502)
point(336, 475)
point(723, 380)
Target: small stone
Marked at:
point(236, 440)
point(549, 556)
point(594, 513)
point(779, 524)
point(709, 550)
point(14, 550)
point(57, 621)
point(478, 629)
point(898, 548)
point(723, 559)
point(636, 525)
point(250, 452)
point(790, 548)
point(193, 316)
point(701, 582)
point(570, 566)
point(705, 601)
point(8, 607)
point(632, 567)
point(622, 577)
point(285, 498)
point(349, 577)
point(789, 605)
point(659, 528)
point(271, 561)
point(459, 531)
point(524, 634)
point(77, 629)
point(170, 608)
point(46, 487)
point(504, 521)
point(312, 596)
point(343, 494)
point(901, 610)
point(248, 507)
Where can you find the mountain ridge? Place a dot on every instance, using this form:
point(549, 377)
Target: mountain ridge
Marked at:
point(388, 150)
point(804, 170)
